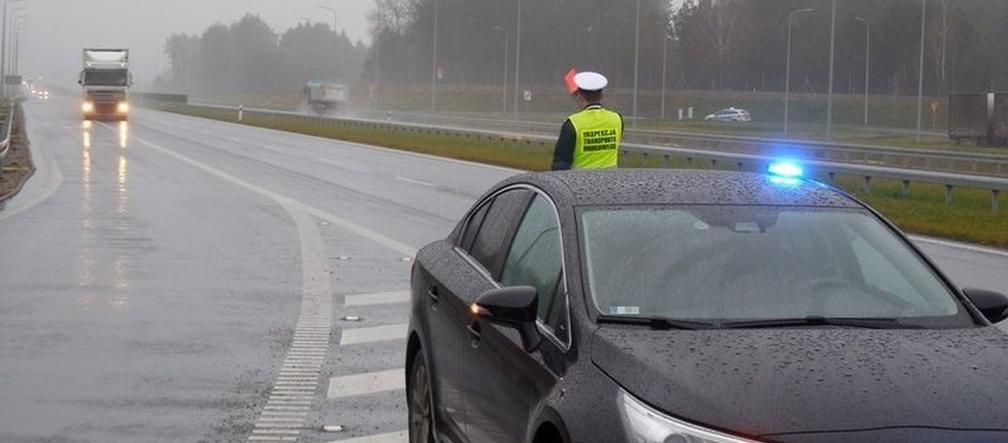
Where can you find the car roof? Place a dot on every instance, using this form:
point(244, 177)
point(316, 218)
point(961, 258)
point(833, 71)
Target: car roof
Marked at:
point(681, 186)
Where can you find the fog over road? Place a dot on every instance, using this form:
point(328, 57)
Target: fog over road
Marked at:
point(153, 272)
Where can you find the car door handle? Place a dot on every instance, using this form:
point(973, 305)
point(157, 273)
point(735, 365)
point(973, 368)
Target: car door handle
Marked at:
point(475, 332)
point(432, 294)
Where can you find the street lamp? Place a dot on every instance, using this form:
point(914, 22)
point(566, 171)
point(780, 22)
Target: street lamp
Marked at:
point(664, 67)
point(517, 68)
point(787, 71)
point(335, 15)
point(636, 64)
point(507, 50)
point(3, 43)
point(867, 60)
point(18, 21)
point(434, 69)
point(16, 62)
point(832, 52)
point(920, 75)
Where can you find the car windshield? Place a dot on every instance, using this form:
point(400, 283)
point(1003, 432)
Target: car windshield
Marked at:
point(740, 263)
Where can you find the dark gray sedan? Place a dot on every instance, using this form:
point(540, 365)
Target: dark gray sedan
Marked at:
point(694, 306)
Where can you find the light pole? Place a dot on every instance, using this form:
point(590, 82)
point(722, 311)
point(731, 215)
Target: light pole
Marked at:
point(832, 52)
point(507, 52)
point(3, 44)
point(636, 64)
point(867, 61)
point(517, 68)
point(787, 70)
point(17, 21)
point(434, 69)
point(335, 15)
point(664, 67)
point(920, 75)
point(16, 62)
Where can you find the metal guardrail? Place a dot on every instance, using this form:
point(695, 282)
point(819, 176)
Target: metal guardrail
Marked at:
point(740, 161)
point(8, 123)
point(910, 158)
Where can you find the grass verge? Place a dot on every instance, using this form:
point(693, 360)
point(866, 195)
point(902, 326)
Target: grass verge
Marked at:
point(967, 218)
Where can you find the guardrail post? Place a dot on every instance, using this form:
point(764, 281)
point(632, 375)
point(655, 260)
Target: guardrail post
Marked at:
point(832, 177)
point(995, 199)
point(241, 112)
point(948, 194)
point(713, 163)
point(906, 188)
point(867, 184)
point(689, 161)
point(739, 165)
point(665, 161)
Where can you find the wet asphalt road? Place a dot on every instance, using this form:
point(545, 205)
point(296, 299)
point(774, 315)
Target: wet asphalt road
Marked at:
point(151, 277)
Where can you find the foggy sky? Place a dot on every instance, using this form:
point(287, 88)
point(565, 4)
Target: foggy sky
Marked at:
point(57, 30)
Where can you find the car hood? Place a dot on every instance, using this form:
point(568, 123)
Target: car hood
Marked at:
point(786, 384)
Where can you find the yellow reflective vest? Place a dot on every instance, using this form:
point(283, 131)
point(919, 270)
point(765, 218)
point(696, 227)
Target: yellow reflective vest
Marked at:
point(596, 134)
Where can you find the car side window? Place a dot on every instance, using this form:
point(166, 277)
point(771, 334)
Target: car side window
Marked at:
point(473, 226)
point(490, 245)
point(535, 258)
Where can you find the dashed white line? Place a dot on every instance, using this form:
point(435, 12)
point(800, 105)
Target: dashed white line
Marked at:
point(379, 298)
point(366, 383)
point(391, 437)
point(373, 334)
point(414, 181)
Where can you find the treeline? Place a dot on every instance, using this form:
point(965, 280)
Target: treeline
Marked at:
point(711, 44)
point(249, 56)
point(735, 45)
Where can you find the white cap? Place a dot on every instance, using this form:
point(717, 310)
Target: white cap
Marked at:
point(590, 81)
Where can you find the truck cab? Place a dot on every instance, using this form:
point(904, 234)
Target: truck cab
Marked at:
point(105, 80)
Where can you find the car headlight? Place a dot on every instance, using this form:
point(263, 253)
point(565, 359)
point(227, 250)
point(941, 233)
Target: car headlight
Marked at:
point(644, 424)
point(87, 107)
point(123, 107)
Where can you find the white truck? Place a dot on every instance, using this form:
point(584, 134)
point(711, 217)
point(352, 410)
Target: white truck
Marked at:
point(325, 97)
point(105, 79)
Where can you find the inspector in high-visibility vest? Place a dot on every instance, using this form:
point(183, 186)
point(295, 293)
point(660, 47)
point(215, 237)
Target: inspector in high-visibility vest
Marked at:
point(589, 139)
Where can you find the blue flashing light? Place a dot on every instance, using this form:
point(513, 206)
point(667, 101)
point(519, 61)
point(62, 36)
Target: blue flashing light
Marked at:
point(785, 169)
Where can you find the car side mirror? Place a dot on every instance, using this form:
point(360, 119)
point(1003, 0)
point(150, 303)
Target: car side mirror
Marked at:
point(993, 305)
point(513, 307)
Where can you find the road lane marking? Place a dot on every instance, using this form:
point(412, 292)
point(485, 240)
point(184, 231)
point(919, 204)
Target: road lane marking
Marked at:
point(373, 334)
point(414, 181)
point(379, 298)
point(366, 383)
point(391, 437)
point(381, 239)
point(957, 245)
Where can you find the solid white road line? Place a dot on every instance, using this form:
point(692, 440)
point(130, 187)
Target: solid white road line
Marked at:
point(379, 298)
point(366, 383)
point(373, 334)
point(391, 437)
point(381, 239)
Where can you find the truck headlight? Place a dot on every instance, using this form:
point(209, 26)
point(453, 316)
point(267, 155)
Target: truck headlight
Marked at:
point(123, 107)
point(87, 107)
point(644, 424)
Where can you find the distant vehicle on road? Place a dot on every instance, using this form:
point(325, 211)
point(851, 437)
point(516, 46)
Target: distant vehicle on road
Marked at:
point(105, 79)
point(324, 97)
point(730, 115)
point(704, 306)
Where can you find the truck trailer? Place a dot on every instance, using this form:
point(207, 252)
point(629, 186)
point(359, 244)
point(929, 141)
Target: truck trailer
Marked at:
point(105, 79)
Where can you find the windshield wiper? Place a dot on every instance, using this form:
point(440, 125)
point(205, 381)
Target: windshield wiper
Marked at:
point(868, 323)
point(657, 323)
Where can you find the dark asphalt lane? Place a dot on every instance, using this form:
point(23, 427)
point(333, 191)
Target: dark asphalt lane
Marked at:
point(151, 276)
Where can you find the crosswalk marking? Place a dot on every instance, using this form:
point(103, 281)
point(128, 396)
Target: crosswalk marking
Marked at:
point(391, 437)
point(373, 334)
point(379, 298)
point(366, 383)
